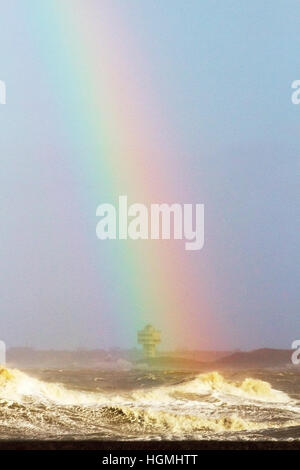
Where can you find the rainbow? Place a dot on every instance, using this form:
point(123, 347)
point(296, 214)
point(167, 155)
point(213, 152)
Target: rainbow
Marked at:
point(110, 139)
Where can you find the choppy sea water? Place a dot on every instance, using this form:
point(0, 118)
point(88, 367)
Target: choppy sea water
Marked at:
point(139, 405)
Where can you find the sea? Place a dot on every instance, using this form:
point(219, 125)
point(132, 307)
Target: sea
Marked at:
point(47, 404)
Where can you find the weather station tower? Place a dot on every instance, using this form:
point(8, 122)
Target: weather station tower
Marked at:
point(149, 338)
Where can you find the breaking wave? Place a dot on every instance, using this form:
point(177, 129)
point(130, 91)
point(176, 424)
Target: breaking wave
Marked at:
point(207, 403)
point(249, 388)
point(216, 385)
point(177, 422)
point(17, 386)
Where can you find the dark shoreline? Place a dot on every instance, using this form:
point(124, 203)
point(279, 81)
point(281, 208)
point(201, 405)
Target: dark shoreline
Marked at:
point(149, 445)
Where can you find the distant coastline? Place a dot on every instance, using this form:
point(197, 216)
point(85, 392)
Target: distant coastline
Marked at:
point(126, 359)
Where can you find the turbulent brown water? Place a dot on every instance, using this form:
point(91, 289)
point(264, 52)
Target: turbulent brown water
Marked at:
point(52, 404)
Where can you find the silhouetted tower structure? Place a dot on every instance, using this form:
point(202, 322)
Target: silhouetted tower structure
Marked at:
point(149, 338)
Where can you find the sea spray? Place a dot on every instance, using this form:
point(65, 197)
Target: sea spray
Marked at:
point(205, 406)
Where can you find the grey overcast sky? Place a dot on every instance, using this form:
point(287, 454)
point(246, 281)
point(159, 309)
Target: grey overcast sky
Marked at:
point(220, 73)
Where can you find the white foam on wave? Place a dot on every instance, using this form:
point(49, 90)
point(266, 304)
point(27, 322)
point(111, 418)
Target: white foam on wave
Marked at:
point(249, 388)
point(213, 384)
point(180, 408)
point(16, 386)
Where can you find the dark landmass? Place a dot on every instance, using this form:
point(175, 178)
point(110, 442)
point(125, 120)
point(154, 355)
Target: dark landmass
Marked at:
point(118, 359)
point(258, 358)
point(264, 357)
